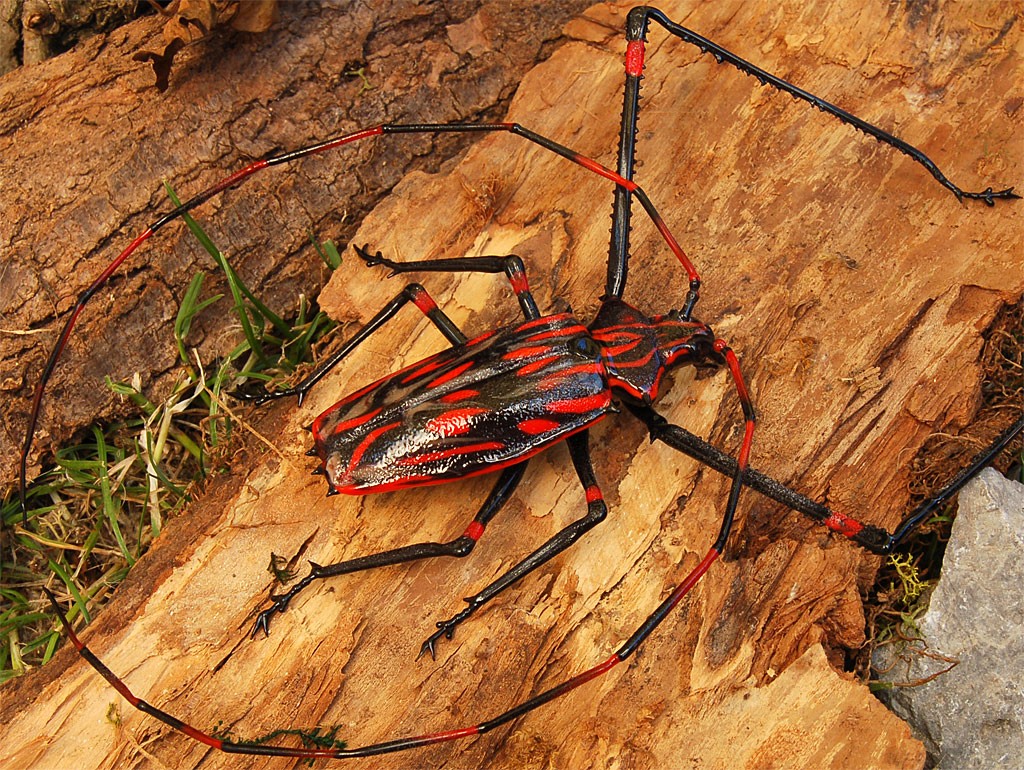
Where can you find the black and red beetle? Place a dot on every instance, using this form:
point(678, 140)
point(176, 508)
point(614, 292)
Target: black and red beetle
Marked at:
point(490, 403)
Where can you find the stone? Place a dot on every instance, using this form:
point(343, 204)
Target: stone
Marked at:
point(971, 716)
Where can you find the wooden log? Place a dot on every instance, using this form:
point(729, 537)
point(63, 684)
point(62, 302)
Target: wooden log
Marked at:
point(86, 141)
point(852, 286)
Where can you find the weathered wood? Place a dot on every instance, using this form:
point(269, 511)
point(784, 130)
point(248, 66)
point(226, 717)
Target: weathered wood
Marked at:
point(86, 141)
point(854, 290)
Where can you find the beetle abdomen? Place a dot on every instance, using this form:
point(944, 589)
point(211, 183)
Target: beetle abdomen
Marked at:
point(471, 409)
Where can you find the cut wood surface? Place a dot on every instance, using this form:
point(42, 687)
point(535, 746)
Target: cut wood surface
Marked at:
point(855, 291)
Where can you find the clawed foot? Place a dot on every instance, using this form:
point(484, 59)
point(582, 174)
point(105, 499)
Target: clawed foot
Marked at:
point(445, 628)
point(255, 392)
point(990, 196)
point(280, 604)
point(372, 260)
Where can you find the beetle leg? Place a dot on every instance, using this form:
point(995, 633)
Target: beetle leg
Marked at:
point(460, 546)
point(636, 32)
point(412, 293)
point(511, 266)
point(873, 538)
point(579, 450)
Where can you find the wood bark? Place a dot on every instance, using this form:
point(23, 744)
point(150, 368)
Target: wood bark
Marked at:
point(855, 291)
point(86, 141)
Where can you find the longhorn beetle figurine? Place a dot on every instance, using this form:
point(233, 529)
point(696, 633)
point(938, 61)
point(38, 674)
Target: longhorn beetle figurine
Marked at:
point(490, 403)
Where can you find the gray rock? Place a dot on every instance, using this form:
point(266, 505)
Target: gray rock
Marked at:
point(972, 716)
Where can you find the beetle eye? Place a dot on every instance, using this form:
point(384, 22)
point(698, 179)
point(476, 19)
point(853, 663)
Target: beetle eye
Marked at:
point(585, 346)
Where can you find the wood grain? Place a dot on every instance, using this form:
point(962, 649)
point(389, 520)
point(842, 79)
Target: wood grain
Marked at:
point(855, 291)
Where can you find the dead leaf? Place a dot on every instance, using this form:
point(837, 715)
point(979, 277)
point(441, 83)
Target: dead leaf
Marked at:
point(191, 20)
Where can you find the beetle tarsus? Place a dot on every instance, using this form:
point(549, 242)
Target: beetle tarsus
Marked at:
point(445, 629)
point(262, 623)
point(257, 394)
point(279, 603)
point(990, 197)
point(372, 260)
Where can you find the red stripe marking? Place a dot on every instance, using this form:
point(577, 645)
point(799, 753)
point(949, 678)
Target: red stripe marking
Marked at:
point(427, 480)
point(113, 266)
point(691, 580)
point(455, 422)
point(318, 423)
point(607, 173)
point(442, 454)
point(519, 283)
point(748, 434)
point(481, 338)
point(633, 363)
point(474, 530)
point(536, 366)
point(619, 344)
point(234, 179)
point(734, 367)
point(673, 244)
point(458, 395)
point(620, 333)
point(428, 367)
point(424, 301)
point(536, 350)
point(563, 331)
point(375, 131)
point(449, 735)
point(355, 422)
point(609, 331)
point(593, 403)
point(594, 494)
point(537, 426)
point(372, 436)
point(635, 58)
point(844, 525)
point(627, 387)
point(586, 676)
point(451, 375)
point(542, 321)
point(676, 355)
point(555, 379)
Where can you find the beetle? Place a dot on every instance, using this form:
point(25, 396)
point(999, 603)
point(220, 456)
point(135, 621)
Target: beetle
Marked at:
point(347, 454)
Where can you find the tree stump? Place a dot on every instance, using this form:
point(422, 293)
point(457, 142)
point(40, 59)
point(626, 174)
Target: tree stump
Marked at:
point(854, 290)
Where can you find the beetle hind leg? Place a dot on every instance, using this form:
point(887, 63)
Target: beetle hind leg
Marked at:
point(597, 510)
point(459, 547)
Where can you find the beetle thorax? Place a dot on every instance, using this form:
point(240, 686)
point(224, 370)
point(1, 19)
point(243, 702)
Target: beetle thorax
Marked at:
point(638, 350)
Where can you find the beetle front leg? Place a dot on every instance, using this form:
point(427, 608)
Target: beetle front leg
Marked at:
point(459, 547)
point(511, 265)
point(869, 536)
point(597, 510)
